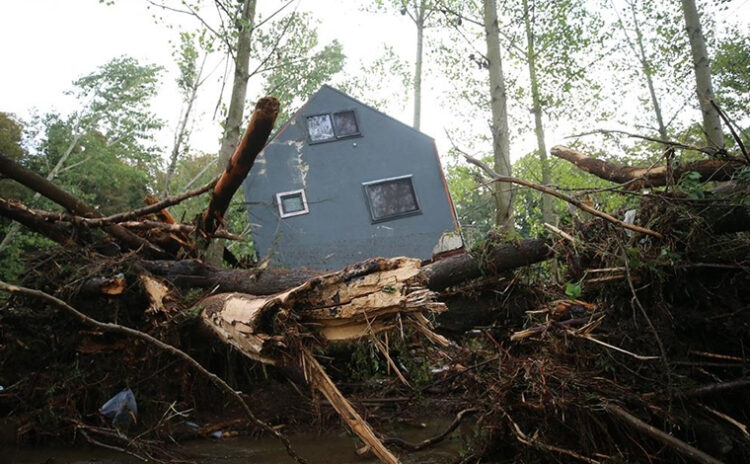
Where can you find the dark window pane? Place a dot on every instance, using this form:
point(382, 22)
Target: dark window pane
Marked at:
point(292, 203)
point(391, 198)
point(346, 123)
point(319, 127)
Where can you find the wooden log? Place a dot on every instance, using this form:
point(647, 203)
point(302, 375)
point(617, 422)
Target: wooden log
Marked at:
point(654, 176)
point(440, 274)
point(501, 258)
point(75, 206)
point(258, 130)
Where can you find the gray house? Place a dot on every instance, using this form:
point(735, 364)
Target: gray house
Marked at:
point(341, 182)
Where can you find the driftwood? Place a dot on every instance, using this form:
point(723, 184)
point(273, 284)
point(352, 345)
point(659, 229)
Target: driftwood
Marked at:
point(253, 141)
point(655, 176)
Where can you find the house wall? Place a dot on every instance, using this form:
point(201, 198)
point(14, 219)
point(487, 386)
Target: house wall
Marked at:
point(338, 230)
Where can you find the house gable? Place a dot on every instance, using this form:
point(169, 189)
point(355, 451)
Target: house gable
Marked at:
point(372, 186)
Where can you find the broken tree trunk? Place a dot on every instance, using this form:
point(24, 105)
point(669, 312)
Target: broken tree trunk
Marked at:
point(655, 176)
point(258, 130)
point(440, 274)
point(357, 302)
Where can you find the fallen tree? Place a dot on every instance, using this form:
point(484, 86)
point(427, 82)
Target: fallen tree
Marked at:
point(636, 178)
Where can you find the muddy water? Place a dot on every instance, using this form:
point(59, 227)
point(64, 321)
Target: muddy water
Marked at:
point(328, 448)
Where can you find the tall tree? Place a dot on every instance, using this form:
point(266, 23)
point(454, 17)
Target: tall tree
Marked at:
point(558, 37)
point(500, 130)
point(114, 119)
point(420, 12)
point(189, 81)
point(702, 67)
point(650, 55)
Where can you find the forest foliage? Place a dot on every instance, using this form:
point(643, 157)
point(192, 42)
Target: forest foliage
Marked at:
point(596, 65)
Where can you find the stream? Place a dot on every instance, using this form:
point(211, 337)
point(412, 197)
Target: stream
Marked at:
point(325, 448)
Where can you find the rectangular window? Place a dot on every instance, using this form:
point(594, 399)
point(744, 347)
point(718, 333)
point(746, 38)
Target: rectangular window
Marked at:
point(320, 128)
point(328, 127)
point(391, 198)
point(292, 203)
point(345, 123)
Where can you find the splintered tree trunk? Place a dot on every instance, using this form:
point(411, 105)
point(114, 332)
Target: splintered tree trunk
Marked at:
point(256, 135)
point(358, 302)
point(500, 131)
point(703, 87)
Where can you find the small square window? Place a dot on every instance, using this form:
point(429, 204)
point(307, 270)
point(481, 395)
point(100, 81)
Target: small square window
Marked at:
point(320, 128)
point(346, 124)
point(391, 198)
point(292, 203)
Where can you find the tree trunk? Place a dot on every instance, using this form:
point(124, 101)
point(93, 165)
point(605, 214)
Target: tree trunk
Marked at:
point(419, 21)
point(440, 274)
point(500, 132)
point(181, 135)
point(704, 88)
point(536, 108)
point(646, 67)
point(75, 206)
point(233, 122)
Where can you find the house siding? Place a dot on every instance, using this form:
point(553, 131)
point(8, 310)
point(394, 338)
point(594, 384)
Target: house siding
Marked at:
point(339, 230)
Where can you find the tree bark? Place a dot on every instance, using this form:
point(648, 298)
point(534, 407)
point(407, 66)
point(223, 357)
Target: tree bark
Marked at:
point(256, 135)
point(656, 176)
point(26, 217)
point(181, 135)
point(701, 65)
point(500, 132)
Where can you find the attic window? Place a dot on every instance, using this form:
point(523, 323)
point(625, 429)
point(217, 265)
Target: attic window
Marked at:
point(320, 128)
point(346, 124)
point(391, 198)
point(332, 126)
point(292, 203)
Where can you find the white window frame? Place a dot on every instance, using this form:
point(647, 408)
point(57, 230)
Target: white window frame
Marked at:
point(280, 203)
point(414, 212)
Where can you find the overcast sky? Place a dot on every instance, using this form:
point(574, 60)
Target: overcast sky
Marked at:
point(46, 44)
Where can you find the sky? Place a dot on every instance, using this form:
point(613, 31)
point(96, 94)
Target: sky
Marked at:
point(47, 44)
